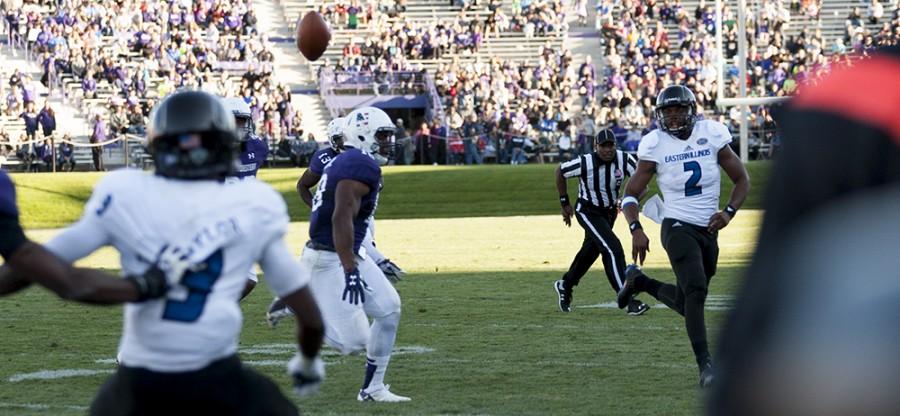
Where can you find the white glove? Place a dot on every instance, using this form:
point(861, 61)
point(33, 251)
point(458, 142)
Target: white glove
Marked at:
point(308, 374)
point(174, 261)
point(392, 271)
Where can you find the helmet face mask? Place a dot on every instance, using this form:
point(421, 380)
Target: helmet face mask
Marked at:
point(243, 117)
point(370, 130)
point(336, 134)
point(676, 111)
point(192, 136)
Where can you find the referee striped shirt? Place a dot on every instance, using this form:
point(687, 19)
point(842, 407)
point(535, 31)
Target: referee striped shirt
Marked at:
point(598, 182)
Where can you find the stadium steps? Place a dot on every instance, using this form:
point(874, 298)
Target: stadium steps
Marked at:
point(292, 69)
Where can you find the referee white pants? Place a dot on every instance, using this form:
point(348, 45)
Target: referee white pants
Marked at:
point(346, 326)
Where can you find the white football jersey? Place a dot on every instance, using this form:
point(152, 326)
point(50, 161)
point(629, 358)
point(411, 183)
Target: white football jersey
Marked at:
point(687, 171)
point(226, 228)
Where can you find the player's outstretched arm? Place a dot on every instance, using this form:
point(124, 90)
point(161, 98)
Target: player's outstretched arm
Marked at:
point(738, 174)
point(305, 184)
point(636, 188)
point(33, 263)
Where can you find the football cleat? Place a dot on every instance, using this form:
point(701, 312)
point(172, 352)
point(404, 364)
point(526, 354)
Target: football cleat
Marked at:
point(627, 292)
point(565, 296)
point(636, 307)
point(382, 394)
point(278, 310)
point(707, 375)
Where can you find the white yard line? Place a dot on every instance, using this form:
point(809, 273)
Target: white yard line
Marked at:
point(56, 374)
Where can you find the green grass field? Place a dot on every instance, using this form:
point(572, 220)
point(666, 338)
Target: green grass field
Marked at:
point(480, 333)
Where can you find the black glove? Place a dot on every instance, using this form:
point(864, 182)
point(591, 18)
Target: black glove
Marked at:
point(354, 287)
point(150, 285)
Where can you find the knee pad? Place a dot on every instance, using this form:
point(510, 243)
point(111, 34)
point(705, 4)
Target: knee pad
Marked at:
point(695, 293)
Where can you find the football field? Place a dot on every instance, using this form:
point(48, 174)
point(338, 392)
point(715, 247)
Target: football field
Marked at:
point(480, 332)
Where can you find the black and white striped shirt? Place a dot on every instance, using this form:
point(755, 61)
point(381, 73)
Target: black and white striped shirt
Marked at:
point(599, 183)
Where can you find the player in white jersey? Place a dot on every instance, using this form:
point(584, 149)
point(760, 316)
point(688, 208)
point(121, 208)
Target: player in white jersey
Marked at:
point(310, 178)
point(685, 155)
point(179, 354)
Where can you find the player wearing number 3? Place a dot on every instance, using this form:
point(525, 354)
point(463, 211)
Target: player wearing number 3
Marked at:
point(685, 154)
point(178, 354)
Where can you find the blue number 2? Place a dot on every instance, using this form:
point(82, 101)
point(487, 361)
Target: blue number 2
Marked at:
point(199, 284)
point(690, 187)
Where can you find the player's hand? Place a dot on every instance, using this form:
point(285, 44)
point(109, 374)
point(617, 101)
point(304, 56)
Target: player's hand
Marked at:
point(640, 245)
point(718, 221)
point(354, 287)
point(392, 271)
point(150, 285)
point(307, 374)
point(567, 214)
point(174, 261)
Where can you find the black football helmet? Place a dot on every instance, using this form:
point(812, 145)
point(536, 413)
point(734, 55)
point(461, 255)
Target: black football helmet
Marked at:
point(192, 136)
point(681, 125)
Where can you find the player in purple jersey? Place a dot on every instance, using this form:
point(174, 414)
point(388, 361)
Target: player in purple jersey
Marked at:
point(277, 309)
point(346, 282)
point(28, 262)
point(254, 150)
point(252, 155)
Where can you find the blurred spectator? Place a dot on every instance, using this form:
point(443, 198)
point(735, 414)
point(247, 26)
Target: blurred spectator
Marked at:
point(31, 120)
point(66, 155)
point(47, 119)
point(403, 149)
point(471, 133)
point(98, 136)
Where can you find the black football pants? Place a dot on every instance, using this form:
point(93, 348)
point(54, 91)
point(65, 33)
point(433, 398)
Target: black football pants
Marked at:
point(693, 253)
point(225, 387)
point(599, 240)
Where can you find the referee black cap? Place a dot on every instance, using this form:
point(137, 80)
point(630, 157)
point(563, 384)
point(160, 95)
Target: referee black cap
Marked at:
point(605, 135)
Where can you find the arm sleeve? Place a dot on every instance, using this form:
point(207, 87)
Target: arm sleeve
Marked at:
point(89, 233)
point(282, 271)
point(571, 168)
point(720, 136)
point(79, 240)
point(647, 147)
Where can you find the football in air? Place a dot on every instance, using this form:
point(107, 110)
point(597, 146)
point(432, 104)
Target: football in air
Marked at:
point(313, 35)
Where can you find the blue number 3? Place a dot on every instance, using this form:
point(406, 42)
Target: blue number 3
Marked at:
point(199, 284)
point(690, 187)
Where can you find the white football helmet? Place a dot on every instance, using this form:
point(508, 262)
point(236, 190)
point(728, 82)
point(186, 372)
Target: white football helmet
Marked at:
point(370, 130)
point(243, 117)
point(336, 134)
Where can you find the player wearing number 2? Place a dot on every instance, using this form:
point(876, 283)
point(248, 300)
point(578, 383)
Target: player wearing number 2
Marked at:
point(685, 154)
point(178, 354)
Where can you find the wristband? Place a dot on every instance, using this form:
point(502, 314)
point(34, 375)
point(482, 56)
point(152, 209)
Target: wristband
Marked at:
point(564, 200)
point(730, 210)
point(635, 225)
point(628, 200)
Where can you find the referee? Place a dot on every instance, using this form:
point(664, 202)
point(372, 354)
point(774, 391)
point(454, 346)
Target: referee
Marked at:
point(600, 176)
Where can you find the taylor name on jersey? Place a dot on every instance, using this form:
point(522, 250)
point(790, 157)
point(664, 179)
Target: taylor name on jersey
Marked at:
point(688, 170)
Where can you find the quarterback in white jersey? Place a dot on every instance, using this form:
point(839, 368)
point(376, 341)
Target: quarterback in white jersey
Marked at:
point(685, 155)
point(186, 211)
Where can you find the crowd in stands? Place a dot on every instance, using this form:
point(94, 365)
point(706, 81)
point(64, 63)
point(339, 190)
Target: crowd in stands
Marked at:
point(137, 52)
point(127, 55)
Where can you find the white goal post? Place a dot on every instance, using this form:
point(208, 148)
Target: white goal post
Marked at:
point(743, 101)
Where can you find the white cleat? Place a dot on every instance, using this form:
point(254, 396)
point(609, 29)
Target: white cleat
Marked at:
point(383, 394)
point(278, 310)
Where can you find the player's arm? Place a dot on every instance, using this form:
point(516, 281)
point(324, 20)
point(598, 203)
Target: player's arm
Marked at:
point(634, 190)
point(735, 170)
point(563, 190)
point(282, 273)
point(305, 184)
point(347, 199)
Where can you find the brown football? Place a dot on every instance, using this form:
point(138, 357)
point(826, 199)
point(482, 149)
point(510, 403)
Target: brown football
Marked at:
point(313, 35)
